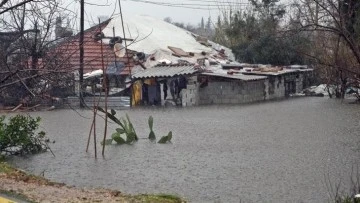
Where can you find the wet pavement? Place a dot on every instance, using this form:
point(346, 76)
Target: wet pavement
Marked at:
point(282, 151)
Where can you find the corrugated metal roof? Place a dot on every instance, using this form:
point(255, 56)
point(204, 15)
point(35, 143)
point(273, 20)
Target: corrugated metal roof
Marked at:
point(166, 71)
point(237, 76)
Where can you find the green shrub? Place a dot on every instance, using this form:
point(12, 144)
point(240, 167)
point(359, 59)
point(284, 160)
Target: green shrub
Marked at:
point(19, 135)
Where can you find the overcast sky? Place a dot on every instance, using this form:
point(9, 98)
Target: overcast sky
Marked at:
point(175, 9)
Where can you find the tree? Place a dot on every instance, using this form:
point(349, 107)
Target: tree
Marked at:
point(202, 24)
point(208, 24)
point(256, 36)
point(7, 5)
point(334, 26)
point(26, 34)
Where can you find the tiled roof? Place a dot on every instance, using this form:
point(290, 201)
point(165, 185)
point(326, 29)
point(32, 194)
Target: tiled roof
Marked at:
point(69, 52)
point(166, 71)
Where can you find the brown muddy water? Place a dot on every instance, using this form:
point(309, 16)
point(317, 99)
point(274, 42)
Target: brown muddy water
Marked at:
point(283, 151)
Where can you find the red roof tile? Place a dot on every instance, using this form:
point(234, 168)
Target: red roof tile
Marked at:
point(69, 54)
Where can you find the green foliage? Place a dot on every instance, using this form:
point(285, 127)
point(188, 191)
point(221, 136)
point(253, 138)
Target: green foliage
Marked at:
point(117, 138)
point(131, 129)
point(6, 168)
point(271, 49)
point(151, 122)
point(126, 133)
point(152, 136)
point(346, 199)
point(120, 130)
point(19, 136)
point(160, 198)
point(256, 36)
point(166, 138)
point(126, 126)
point(111, 116)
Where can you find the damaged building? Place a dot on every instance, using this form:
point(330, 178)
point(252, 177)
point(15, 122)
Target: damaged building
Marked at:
point(167, 65)
point(180, 68)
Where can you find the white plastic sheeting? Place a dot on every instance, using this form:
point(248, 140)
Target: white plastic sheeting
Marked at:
point(93, 74)
point(151, 34)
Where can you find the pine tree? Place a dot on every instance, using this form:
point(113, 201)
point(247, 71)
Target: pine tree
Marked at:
point(202, 25)
point(208, 24)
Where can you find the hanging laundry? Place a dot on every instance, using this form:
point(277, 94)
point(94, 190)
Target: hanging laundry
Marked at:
point(136, 93)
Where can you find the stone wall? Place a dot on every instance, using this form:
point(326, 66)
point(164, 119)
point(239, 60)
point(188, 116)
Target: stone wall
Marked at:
point(231, 92)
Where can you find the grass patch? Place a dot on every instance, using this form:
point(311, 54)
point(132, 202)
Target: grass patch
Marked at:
point(20, 175)
point(161, 198)
point(6, 168)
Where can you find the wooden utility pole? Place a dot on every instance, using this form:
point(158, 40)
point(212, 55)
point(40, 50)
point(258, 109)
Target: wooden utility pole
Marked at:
point(81, 46)
point(126, 51)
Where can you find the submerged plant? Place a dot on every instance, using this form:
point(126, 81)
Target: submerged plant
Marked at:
point(152, 136)
point(126, 133)
point(166, 138)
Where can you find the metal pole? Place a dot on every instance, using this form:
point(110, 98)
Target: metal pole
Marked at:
point(105, 85)
point(81, 46)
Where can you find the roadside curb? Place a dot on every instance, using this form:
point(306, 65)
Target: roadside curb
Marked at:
point(9, 199)
point(5, 200)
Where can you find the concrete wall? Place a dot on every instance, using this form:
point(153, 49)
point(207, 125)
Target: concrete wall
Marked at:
point(299, 83)
point(190, 96)
point(231, 92)
point(275, 87)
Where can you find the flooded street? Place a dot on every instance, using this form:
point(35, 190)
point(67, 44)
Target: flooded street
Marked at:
point(283, 151)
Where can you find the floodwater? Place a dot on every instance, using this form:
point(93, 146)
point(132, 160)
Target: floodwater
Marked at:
point(282, 151)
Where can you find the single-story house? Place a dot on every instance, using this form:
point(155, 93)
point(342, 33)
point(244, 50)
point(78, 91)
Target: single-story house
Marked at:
point(251, 84)
point(166, 64)
point(184, 69)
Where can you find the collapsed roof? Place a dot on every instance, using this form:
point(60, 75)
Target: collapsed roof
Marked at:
point(168, 46)
point(151, 34)
point(155, 36)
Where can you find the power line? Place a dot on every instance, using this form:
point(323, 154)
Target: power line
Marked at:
point(194, 6)
point(215, 3)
